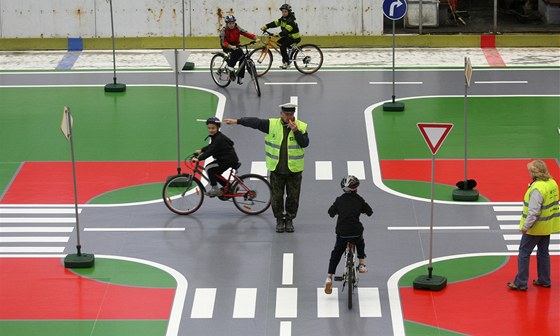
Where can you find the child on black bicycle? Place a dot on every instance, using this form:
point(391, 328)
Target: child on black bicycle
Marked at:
point(349, 206)
point(221, 149)
point(229, 40)
point(289, 33)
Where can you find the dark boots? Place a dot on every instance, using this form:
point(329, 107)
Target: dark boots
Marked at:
point(284, 225)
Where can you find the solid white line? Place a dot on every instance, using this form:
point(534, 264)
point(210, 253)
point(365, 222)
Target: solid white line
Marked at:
point(13, 211)
point(245, 303)
point(259, 168)
point(327, 304)
point(512, 208)
point(357, 169)
point(37, 220)
point(396, 83)
point(286, 302)
point(512, 237)
point(370, 305)
point(285, 328)
point(31, 249)
point(551, 247)
point(203, 303)
point(509, 227)
point(288, 269)
point(323, 170)
point(291, 83)
point(501, 82)
point(504, 218)
point(416, 228)
point(53, 229)
point(34, 239)
point(132, 229)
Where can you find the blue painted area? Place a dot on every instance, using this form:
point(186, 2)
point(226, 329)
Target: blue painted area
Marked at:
point(67, 62)
point(75, 44)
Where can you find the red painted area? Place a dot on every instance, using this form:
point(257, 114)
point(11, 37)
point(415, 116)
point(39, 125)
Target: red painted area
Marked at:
point(488, 41)
point(498, 180)
point(42, 289)
point(485, 305)
point(52, 183)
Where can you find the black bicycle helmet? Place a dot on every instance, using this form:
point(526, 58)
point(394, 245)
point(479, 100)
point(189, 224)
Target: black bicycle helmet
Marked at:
point(349, 183)
point(230, 18)
point(214, 120)
point(286, 7)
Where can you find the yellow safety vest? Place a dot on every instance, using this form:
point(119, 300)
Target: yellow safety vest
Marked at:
point(549, 219)
point(273, 141)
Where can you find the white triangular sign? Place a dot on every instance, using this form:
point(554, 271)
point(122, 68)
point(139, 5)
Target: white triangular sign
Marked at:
point(434, 134)
point(182, 57)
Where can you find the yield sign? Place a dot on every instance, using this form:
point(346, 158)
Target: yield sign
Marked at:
point(434, 134)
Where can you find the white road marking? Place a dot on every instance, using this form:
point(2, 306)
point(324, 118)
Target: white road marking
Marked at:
point(259, 168)
point(203, 303)
point(503, 218)
point(245, 303)
point(288, 269)
point(510, 208)
point(555, 236)
point(286, 302)
point(501, 82)
point(18, 211)
point(37, 220)
point(290, 83)
point(286, 328)
point(132, 229)
point(396, 83)
point(31, 249)
point(9, 229)
point(368, 300)
point(551, 247)
point(323, 170)
point(327, 304)
point(413, 228)
point(509, 227)
point(357, 169)
point(34, 239)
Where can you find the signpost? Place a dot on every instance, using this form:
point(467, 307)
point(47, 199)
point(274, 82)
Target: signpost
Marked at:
point(465, 191)
point(114, 87)
point(79, 259)
point(434, 134)
point(394, 10)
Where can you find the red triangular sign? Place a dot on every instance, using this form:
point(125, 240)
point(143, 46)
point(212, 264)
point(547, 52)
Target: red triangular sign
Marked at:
point(434, 134)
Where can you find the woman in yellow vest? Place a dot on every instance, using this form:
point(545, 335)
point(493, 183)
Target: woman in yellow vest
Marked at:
point(540, 218)
point(285, 141)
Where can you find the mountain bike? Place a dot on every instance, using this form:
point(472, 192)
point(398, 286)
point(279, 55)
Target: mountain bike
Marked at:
point(184, 193)
point(350, 276)
point(222, 76)
point(307, 58)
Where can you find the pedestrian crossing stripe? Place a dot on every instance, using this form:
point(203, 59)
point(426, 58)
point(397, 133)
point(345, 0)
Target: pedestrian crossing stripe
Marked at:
point(323, 170)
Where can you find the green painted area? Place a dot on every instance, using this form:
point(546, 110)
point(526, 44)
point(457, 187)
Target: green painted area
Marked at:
point(127, 273)
point(459, 269)
point(499, 127)
point(84, 328)
point(136, 125)
point(7, 171)
point(417, 329)
point(139, 193)
point(442, 192)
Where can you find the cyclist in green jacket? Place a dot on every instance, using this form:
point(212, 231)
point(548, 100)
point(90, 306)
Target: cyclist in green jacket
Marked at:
point(289, 33)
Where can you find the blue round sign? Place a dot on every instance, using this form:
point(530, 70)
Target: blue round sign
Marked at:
point(394, 9)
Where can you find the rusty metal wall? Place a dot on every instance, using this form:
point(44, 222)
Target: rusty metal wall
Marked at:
point(142, 18)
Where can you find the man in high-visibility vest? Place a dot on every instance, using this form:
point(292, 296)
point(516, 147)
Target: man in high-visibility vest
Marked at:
point(285, 141)
point(540, 218)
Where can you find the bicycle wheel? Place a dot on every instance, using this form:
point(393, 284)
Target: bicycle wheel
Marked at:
point(220, 75)
point(183, 194)
point(263, 60)
point(254, 77)
point(253, 194)
point(351, 278)
point(308, 58)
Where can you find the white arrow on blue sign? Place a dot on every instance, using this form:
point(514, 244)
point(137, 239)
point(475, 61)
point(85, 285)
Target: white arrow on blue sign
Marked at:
point(394, 9)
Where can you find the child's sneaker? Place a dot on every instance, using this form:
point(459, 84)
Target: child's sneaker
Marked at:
point(215, 191)
point(285, 65)
point(328, 286)
point(362, 268)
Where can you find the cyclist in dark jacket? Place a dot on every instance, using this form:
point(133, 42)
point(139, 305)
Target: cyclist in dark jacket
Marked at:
point(349, 206)
point(229, 40)
point(221, 149)
point(289, 33)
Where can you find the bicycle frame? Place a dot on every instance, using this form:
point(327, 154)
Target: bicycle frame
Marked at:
point(232, 179)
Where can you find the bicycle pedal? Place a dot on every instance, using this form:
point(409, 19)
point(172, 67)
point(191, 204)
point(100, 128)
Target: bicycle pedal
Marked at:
point(338, 278)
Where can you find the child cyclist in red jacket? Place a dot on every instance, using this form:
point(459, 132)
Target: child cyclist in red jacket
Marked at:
point(229, 39)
